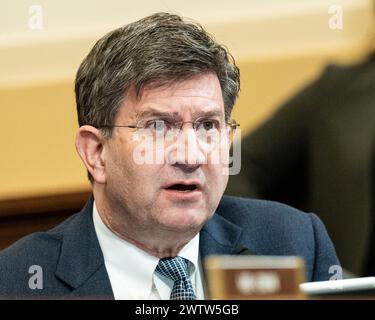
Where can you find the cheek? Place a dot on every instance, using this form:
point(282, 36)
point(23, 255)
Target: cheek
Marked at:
point(120, 168)
point(217, 179)
point(138, 180)
point(223, 180)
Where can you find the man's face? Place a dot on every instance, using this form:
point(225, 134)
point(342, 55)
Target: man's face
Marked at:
point(179, 195)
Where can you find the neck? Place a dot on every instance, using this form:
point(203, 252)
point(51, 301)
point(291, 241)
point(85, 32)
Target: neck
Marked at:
point(154, 241)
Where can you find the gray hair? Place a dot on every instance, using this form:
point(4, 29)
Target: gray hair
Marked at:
point(157, 50)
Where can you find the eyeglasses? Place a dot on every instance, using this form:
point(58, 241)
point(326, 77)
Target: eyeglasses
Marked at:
point(208, 131)
point(160, 125)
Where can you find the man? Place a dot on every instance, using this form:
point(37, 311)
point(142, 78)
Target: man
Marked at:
point(154, 100)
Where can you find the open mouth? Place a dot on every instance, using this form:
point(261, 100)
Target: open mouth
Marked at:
point(183, 187)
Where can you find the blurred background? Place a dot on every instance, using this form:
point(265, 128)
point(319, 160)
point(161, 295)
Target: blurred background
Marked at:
point(279, 45)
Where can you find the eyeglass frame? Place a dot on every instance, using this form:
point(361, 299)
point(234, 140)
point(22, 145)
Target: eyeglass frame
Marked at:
point(231, 122)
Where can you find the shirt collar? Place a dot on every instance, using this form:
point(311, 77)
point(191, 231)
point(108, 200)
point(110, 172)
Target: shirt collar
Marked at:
point(138, 269)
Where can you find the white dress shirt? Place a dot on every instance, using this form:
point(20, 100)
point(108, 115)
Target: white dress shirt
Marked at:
point(131, 270)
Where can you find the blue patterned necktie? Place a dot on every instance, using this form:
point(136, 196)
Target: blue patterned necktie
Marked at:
point(176, 269)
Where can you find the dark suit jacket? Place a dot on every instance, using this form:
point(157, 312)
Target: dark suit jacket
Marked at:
point(73, 265)
point(316, 153)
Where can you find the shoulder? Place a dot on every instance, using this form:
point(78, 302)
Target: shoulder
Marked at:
point(272, 228)
point(38, 242)
point(39, 249)
point(358, 76)
point(238, 209)
point(336, 80)
point(271, 224)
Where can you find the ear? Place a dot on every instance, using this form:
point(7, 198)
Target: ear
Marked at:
point(89, 145)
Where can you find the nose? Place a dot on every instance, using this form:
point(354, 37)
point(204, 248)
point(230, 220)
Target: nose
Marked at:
point(186, 152)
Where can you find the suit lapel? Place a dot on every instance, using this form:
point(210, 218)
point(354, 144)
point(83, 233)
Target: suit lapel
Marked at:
point(81, 263)
point(219, 236)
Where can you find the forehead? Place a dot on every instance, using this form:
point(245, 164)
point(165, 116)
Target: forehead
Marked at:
point(196, 96)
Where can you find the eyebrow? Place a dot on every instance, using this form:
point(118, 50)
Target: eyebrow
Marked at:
point(157, 113)
point(154, 113)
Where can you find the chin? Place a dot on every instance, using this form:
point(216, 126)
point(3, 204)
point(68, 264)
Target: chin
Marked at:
point(185, 220)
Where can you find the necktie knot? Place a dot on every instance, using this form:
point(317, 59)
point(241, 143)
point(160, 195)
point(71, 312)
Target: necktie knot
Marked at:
point(176, 269)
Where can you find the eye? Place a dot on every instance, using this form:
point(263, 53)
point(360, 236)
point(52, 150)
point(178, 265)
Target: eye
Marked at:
point(208, 125)
point(157, 125)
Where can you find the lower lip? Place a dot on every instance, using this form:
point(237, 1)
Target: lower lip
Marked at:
point(183, 195)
